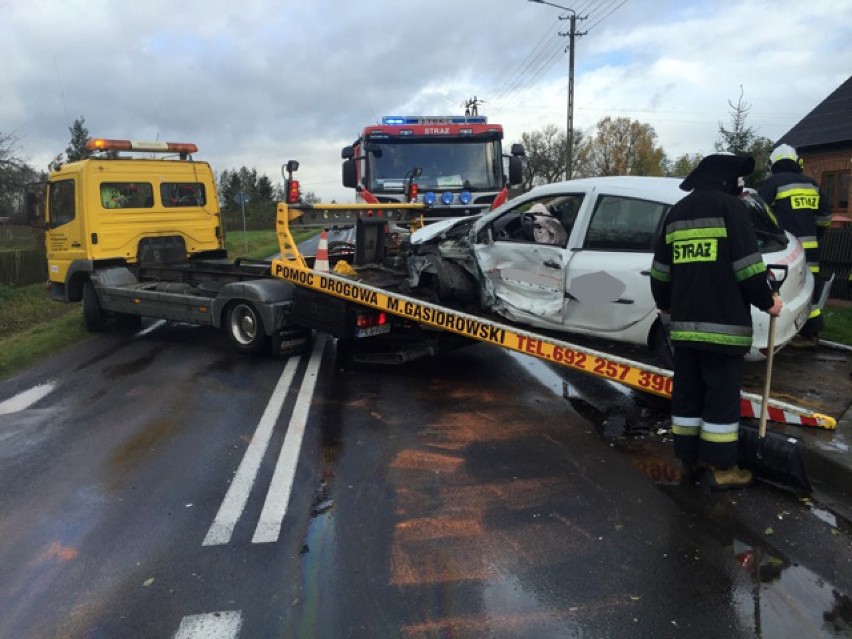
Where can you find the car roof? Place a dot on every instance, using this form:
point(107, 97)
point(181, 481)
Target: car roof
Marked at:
point(657, 187)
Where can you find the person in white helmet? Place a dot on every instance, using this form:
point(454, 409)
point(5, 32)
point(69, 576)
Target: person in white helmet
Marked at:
point(801, 208)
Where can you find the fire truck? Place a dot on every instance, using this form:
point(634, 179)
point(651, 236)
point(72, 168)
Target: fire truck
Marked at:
point(452, 164)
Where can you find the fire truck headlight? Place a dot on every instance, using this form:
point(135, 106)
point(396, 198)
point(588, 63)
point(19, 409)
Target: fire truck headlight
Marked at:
point(465, 197)
point(446, 198)
point(429, 198)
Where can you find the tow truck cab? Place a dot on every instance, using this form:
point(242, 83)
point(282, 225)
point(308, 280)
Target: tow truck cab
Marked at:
point(117, 209)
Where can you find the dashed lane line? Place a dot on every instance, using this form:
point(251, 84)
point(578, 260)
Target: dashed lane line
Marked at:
point(211, 625)
point(238, 492)
point(277, 499)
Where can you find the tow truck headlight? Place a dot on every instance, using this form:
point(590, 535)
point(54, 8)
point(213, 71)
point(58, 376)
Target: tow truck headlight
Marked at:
point(429, 198)
point(446, 198)
point(465, 197)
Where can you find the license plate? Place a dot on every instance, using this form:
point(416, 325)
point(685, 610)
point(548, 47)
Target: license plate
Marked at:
point(370, 331)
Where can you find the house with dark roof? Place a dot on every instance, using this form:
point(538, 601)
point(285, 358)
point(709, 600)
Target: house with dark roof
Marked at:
point(823, 139)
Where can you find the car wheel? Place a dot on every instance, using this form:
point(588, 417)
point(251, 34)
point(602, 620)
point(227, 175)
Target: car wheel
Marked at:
point(93, 314)
point(245, 328)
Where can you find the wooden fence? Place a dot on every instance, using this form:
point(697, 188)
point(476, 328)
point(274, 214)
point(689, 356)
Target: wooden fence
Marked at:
point(836, 258)
point(22, 266)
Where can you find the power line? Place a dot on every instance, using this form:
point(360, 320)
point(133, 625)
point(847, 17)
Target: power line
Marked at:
point(540, 60)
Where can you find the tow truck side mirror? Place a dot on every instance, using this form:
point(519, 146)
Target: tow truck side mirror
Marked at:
point(33, 209)
point(518, 150)
point(347, 153)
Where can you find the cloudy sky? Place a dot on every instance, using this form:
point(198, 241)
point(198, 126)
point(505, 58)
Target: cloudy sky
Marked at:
point(257, 82)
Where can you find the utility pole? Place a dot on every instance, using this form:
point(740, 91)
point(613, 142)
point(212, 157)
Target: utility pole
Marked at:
point(572, 33)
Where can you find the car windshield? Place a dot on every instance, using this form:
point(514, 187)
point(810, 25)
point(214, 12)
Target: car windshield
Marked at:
point(444, 165)
point(770, 236)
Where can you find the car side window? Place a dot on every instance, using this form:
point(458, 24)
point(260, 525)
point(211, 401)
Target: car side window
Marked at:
point(542, 221)
point(624, 224)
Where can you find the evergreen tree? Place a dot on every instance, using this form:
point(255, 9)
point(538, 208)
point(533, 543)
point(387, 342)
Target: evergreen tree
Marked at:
point(79, 136)
point(743, 140)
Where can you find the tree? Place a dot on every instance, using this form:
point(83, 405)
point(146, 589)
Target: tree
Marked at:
point(309, 197)
point(744, 140)
point(684, 165)
point(621, 147)
point(15, 173)
point(79, 136)
point(265, 190)
point(545, 155)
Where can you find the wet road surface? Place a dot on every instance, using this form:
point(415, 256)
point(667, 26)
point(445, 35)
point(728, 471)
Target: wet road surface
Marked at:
point(458, 497)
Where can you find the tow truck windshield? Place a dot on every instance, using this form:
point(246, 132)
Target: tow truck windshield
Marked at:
point(474, 165)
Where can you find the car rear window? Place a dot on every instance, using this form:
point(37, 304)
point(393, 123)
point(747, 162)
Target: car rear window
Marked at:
point(770, 237)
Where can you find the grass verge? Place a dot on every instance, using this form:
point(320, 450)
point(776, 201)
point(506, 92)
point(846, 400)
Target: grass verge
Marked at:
point(838, 324)
point(33, 325)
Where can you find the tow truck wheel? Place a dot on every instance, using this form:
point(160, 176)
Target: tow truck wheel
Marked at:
point(93, 314)
point(245, 328)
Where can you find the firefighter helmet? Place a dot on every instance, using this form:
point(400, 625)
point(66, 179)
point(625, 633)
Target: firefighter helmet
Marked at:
point(783, 152)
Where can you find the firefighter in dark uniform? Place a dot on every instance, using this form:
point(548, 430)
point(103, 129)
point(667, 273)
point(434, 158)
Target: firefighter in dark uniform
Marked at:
point(802, 209)
point(706, 273)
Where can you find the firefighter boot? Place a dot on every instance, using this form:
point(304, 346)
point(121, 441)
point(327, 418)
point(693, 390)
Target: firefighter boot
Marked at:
point(728, 478)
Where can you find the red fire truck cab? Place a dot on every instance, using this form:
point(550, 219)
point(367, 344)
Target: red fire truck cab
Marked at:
point(454, 164)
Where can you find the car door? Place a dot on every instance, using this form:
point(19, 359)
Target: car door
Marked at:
point(523, 272)
point(608, 273)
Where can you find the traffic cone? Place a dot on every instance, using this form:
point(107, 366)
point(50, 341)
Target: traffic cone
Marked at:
point(321, 260)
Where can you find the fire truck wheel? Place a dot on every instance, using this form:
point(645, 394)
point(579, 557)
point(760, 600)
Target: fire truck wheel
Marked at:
point(245, 328)
point(93, 314)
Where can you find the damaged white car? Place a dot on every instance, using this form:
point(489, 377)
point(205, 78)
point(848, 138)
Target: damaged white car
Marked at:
point(576, 257)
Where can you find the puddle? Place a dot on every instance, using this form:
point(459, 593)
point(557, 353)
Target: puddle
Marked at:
point(25, 399)
point(788, 600)
point(549, 378)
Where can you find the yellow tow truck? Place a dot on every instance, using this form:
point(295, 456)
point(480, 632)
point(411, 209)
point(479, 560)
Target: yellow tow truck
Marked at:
point(135, 230)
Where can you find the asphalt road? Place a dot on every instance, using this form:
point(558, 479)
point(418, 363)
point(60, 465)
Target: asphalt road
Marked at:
point(159, 485)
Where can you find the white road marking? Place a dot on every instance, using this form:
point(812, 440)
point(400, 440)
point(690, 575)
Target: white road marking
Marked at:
point(25, 399)
point(150, 328)
point(212, 625)
point(238, 492)
point(275, 507)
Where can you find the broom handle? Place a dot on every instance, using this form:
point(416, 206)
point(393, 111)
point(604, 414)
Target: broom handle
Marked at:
point(764, 403)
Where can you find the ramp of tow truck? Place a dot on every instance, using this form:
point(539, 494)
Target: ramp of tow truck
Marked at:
point(634, 374)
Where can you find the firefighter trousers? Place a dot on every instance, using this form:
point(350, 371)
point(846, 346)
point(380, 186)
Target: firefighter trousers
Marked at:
point(706, 406)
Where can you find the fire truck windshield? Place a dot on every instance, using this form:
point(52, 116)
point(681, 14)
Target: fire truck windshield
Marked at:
point(445, 165)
